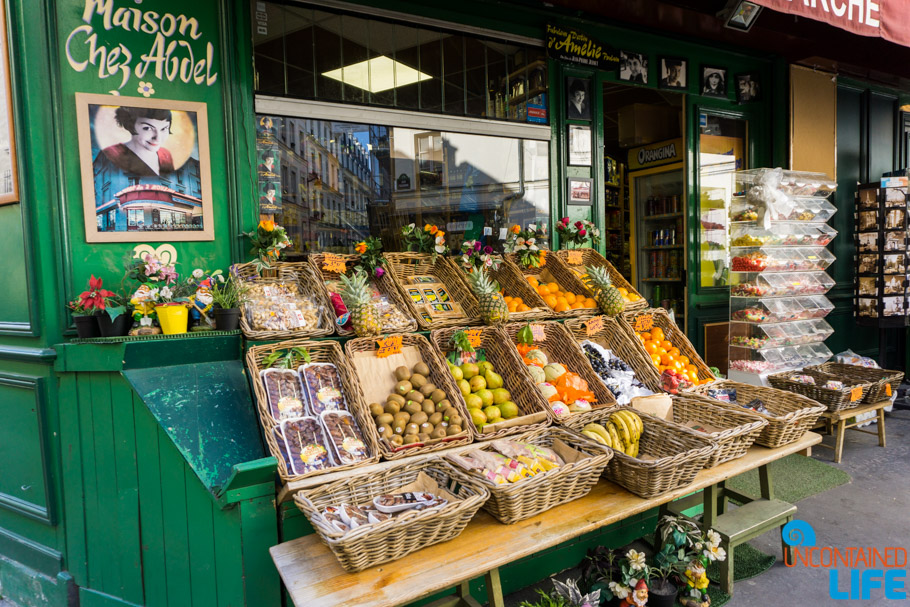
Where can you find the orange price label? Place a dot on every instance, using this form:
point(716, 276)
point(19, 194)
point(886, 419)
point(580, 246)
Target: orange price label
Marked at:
point(856, 394)
point(473, 337)
point(595, 325)
point(333, 263)
point(575, 258)
point(538, 332)
point(388, 346)
point(644, 322)
point(887, 389)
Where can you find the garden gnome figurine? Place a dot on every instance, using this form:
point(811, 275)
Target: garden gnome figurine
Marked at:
point(697, 584)
point(201, 305)
point(638, 597)
point(143, 306)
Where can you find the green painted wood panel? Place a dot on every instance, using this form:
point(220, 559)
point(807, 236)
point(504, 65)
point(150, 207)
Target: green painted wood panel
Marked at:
point(71, 469)
point(201, 542)
point(23, 484)
point(107, 530)
point(93, 549)
point(128, 532)
point(15, 295)
point(176, 540)
point(151, 511)
point(228, 557)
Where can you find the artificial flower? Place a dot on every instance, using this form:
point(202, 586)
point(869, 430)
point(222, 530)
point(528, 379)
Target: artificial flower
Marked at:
point(93, 299)
point(198, 273)
point(440, 233)
point(267, 225)
point(166, 292)
point(379, 272)
point(515, 229)
point(361, 247)
point(619, 591)
point(636, 560)
point(715, 553)
point(713, 538)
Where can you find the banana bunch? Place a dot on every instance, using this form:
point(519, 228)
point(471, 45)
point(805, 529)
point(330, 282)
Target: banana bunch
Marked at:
point(621, 432)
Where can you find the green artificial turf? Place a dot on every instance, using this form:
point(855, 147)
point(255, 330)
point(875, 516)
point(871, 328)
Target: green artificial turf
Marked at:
point(794, 478)
point(748, 562)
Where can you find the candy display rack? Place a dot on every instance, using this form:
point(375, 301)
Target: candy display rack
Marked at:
point(778, 260)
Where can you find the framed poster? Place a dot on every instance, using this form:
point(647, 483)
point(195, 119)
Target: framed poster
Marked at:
point(578, 99)
point(145, 168)
point(748, 87)
point(9, 175)
point(579, 190)
point(633, 67)
point(579, 145)
point(713, 81)
point(673, 73)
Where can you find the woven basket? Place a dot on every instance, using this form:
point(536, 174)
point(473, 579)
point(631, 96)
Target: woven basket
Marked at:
point(792, 415)
point(507, 363)
point(564, 277)
point(383, 283)
point(513, 502)
point(307, 284)
point(672, 333)
point(514, 284)
point(402, 266)
point(320, 352)
point(590, 257)
point(439, 375)
point(737, 429)
point(884, 382)
point(619, 338)
point(371, 545)
point(560, 347)
point(833, 399)
point(679, 454)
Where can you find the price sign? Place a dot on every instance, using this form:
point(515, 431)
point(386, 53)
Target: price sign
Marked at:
point(473, 336)
point(388, 346)
point(595, 325)
point(333, 263)
point(856, 394)
point(538, 332)
point(887, 389)
point(644, 323)
point(575, 257)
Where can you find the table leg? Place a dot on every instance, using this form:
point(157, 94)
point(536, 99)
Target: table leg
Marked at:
point(461, 598)
point(764, 481)
point(787, 549)
point(710, 514)
point(722, 498)
point(881, 427)
point(839, 442)
point(494, 589)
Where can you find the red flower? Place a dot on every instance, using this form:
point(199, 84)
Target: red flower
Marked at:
point(578, 224)
point(565, 220)
point(582, 232)
point(93, 299)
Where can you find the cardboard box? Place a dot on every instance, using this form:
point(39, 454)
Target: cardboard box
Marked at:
point(641, 123)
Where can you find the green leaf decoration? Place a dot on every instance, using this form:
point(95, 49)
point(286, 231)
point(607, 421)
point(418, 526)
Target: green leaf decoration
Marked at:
point(461, 342)
point(525, 335)
point(115, 311)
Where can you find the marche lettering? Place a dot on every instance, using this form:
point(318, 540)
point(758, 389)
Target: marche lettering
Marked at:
point(172, 53)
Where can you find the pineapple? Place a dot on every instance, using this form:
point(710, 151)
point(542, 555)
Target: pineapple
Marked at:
point(608, 297)
point(493, 309)
point(356, 295)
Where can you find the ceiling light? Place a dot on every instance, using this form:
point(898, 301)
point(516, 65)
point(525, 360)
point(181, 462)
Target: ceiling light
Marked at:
point(740, 15)
point(377, 74)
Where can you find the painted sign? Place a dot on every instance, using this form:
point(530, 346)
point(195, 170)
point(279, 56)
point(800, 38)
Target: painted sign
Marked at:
point(572, 46)
point(656, 154)
point(167, 47)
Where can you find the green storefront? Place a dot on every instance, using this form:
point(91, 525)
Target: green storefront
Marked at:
point(122, 483)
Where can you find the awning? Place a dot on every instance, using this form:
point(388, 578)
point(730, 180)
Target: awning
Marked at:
point(888, 19)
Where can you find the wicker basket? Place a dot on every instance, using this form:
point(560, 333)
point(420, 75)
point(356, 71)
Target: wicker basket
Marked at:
point(307, 284)
point(320, 352)
point(884, 382)
point(619, 338)
point(791, 416)
point(564, 277)
point(679, 454)
point(562, 348)
point(513, 283)
point(516, 380)
point(672, 333)
point(439, 375)
point(515, 502)
point(590, 257)
point(737, 430)
point(834, 399)
point(383, 283)
point(378, 543)
point(402, 266)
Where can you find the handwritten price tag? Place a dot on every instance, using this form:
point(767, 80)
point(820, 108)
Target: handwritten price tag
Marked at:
point(388, 346)
point(538, 332)
point(644, 322)
point(473, 336)
point(856, 394)
point(887, 389)
point(333, 263)
point(575, 258)
point(595, 325)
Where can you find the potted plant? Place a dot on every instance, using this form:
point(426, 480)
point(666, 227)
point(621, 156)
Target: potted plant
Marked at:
point(115, 321)
point(565, 595)
point(91, 303)
point(268, 239)
point(529, 245)
point(577, 234)
point(662, 589)
point(227, 297)
point(86, 322)
point(172, 308)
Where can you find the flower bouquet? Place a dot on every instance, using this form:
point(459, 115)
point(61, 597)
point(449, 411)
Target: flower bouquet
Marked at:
point(428, 240)
point(268, 240)
point(475, 256)
point(371, 258)
point(529, 245)
point(578, 233)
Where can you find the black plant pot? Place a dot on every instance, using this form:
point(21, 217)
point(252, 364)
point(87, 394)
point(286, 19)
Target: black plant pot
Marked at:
point(87, 326)
point(118, 327)
point(657, 598)
point(227, 319)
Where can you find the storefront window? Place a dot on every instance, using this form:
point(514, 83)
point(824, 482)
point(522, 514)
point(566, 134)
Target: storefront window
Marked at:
point(332, 184)
point(307, 53)
point(722, 149)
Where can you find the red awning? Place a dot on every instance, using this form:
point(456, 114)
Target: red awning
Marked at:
point(888, 19)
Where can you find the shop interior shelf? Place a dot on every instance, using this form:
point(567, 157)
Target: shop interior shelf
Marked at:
point(772, 360)
point(775, 335)
point(782, 284)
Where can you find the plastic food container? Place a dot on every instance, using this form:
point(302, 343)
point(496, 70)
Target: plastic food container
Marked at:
point(282, 387)
point(323, 388)
point(305, 441)
point(344, 437)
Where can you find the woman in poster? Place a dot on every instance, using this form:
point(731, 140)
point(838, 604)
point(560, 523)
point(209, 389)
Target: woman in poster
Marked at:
point(144, 154)
point(715, 84)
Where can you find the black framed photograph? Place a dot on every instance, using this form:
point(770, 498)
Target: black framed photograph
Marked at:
point(580, 191)
point(633, 67)
point(579, 145)
point(868, 242)
point(673, 73)
point(868, 307)
point(867, 286)
point(713, 81)
point(748, 87)
point(578, 99)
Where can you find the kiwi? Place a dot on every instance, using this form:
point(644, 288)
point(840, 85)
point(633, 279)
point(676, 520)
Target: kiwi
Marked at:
point(428, 407)
point(427, 427)
point(410, 439)
point(398, 398)
point(437, 395)
point(403, 387)
point(438, 433)
point(424, 437)
point(419, 417)
point(415, 396)
point(402, 373)
point(442, 405)
point(396, 440)
point(435, 418)
point(449, 413)
point(411, 408)
point(453, 430)
point(397, 430)
point(427, 389)
point(393, 407)
point(385, 431)
point(411, 429)
point(418, 380)
point(401, 419)
point(385, 418)
point(422, 369)
point(455, 420)
point(376, 409)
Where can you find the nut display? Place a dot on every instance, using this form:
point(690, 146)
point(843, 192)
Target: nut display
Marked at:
point(279, 306)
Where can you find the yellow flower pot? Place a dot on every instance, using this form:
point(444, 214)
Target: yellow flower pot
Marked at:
point(173, 319)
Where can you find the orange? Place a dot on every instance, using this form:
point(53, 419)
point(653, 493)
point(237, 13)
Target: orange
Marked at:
point(623, 291)
point(550, 300)
point(562, 300)
point(678, 366)
point(507, 299)
point(657, 333)
point(518, 299)
point(523, 308)
point(543, 291)
point(683, 359)
point(643, 340)
point(666, 345)
point(513, 306)
point(691, 368)
point(661, 351)
point(661, 368)
point(666, 359)
point(655, 359)
point(651, 347)
point(693, 377)
point(553, 287)
point(646, 335)
point(674, 351)
point(562, 306)
point(577, 305)
point(570, 298)
point(590, 302)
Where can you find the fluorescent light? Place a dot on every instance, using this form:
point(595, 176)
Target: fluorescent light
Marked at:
point(377, 74)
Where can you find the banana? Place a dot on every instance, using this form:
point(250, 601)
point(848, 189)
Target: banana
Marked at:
point(630, 419)
point(594, 436)
point(600, 430)
point(623, 430)
point(614, 436)
point(635, 450)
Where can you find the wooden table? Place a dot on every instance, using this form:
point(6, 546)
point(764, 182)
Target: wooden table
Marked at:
point(313, 576)
point(839, 420)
